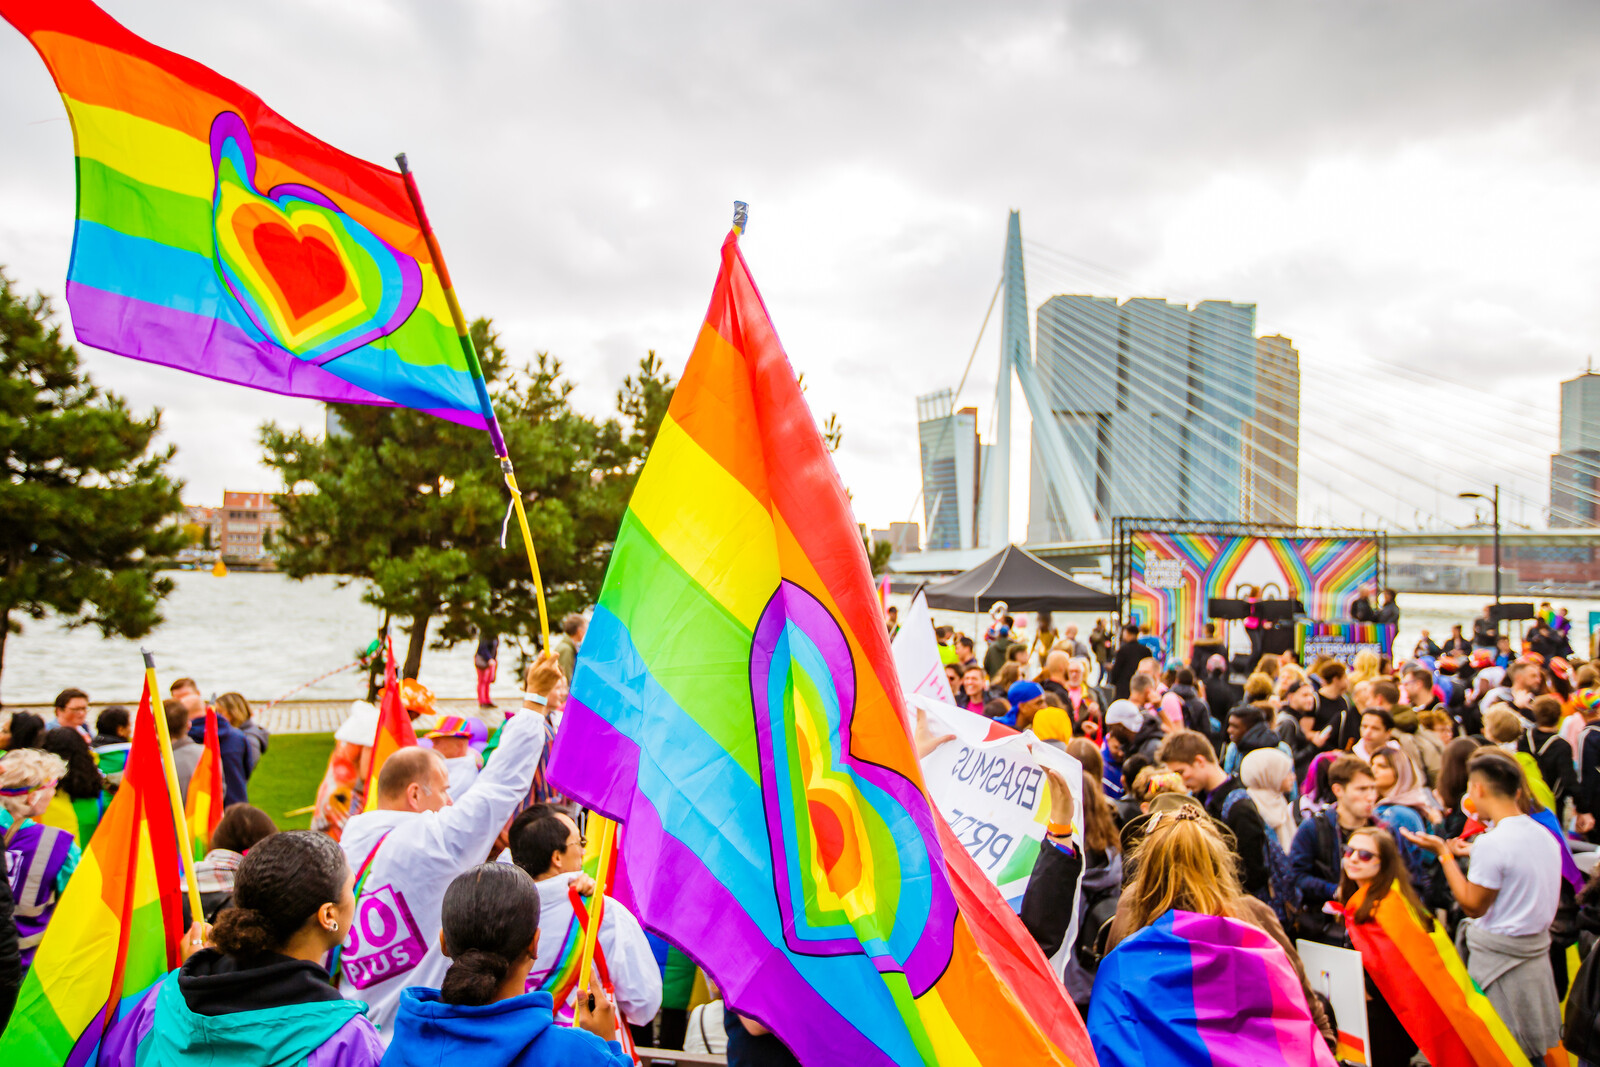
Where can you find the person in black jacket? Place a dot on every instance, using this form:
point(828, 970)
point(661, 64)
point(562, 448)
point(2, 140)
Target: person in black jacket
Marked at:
point(10, 954)
point(1225, 798)
point(1552, 753)
point(1051, 899)
point(1125, 664)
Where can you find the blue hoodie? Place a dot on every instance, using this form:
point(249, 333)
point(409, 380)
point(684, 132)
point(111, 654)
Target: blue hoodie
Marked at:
point(518, 1032)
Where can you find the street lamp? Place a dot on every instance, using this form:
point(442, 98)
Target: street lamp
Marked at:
point(1495, 499)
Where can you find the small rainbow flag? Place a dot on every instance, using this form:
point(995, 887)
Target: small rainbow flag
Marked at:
point(115, 932)
point(1423, 979)
point(562, 978)
point(1202, 989)
point(737, 708)
point(216, 237)
point(394, 725)
point(202, 808)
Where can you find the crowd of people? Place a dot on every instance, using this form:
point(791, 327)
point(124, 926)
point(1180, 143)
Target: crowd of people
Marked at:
point(1464, 778)
point(439, 918)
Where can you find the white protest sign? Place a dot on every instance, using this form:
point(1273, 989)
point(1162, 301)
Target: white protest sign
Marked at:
point(916, 654)
point(1337, 974)
point(994, 793)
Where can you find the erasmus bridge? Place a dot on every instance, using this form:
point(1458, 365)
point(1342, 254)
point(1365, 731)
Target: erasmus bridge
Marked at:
point(1147, 407)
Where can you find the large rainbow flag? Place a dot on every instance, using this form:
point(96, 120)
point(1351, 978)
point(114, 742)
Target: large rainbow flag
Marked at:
point(217, 237)
point(736, 706)
point(1424, 981)
point(202, 807)
point(1202, 989)
point(115, 931)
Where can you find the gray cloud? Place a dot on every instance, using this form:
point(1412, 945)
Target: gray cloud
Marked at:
point(1394, 185)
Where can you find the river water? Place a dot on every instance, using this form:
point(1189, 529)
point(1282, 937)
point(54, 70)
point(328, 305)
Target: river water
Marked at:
point(261, 634)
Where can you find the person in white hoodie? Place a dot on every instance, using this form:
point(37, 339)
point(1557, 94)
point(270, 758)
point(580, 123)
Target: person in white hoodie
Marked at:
point(545, 842)
point(409, 847)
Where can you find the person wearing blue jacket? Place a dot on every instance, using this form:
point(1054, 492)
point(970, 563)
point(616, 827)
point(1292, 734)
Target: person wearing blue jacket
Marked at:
point(259, 994)
point(480, 1015)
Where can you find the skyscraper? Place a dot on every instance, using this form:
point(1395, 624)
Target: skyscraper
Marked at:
point(1575, 469)
point(1272, 440)
point(950, 464)
point(1168, 411)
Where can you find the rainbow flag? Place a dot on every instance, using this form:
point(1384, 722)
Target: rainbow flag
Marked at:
point(394, 725)
point(202, 808)
point(1202, 989)
point(736, 707)
point(216, 237)
point(115, 932)
point(1423, 979)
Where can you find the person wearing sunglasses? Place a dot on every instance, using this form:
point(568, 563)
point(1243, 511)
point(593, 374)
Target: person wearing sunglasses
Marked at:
point(1370, 870)
point(546, 843)
point(40, 858)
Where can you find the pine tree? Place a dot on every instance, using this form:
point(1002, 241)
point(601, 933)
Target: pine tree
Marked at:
point(414, 504)
point(86, 507)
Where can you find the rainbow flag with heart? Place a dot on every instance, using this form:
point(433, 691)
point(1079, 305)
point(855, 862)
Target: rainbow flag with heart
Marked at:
point(216, 237)
point(736, 706)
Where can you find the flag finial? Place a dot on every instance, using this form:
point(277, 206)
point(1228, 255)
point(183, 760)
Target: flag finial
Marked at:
point(741, 216)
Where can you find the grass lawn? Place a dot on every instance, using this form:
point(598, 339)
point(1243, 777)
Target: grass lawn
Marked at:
point(288, 775)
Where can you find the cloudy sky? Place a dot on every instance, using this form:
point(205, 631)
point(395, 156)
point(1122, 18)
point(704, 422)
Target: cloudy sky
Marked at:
point(1410, 191)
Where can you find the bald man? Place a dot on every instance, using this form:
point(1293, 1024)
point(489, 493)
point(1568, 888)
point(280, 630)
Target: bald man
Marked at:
point(408, 848)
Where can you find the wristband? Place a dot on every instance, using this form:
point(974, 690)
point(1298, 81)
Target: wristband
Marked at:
point(537, 698)
point(1057, 829)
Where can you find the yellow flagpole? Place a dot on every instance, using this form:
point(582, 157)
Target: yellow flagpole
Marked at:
point(591, 935)
point(496, 439)
point(181, 824)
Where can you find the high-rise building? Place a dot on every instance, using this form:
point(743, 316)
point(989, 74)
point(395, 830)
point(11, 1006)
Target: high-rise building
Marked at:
point(1272, 438)
point(1167, 411)
point(950, 465)
point(1575, 469)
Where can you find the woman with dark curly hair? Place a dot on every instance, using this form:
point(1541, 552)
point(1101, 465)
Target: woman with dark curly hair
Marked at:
point(258, 992)
point(483, 1012)
point(80, 797)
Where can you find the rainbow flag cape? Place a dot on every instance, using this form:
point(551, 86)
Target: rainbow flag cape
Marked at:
point(736, 706)
point(394, 725)
point(1202, 989)
point(115, 931)
point(216, 237)
point(202, 808)
point(1423, 979)
point(1569, 866)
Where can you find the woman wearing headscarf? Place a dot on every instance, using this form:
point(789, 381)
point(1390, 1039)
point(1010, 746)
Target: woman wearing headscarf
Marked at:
point(1268, 776)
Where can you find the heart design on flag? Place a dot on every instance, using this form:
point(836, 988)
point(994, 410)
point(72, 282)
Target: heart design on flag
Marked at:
point(851, 840)
point(312, 279)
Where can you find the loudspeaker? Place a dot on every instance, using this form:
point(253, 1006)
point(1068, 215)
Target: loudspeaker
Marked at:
point(1217, 608)
point(1278, 610)
point(1506, 612)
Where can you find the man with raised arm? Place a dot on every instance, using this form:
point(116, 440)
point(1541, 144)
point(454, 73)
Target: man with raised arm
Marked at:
point(413, 842)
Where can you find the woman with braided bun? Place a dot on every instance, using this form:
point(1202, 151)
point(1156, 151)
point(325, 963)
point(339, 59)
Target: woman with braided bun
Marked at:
point(482, 1014)
point(258, 993)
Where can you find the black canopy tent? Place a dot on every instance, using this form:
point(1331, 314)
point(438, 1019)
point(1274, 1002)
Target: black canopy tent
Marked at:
point(1021, 579)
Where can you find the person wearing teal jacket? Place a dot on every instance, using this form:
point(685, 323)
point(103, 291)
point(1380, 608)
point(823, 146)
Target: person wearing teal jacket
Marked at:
point(259, 994)
point(480, 1015)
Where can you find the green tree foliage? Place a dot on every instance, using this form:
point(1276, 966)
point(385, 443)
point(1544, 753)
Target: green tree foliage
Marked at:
point(85, 504)
point(414, 504)
point(878, 553)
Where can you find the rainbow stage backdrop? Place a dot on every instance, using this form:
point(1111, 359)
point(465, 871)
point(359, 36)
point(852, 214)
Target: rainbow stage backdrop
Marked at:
point(1172, 575)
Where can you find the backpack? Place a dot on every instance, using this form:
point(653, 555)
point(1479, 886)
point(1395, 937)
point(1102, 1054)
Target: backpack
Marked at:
point(1283, 890)
point(1581, 1033)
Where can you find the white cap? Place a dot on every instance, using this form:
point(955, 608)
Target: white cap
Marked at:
point(1125, 713)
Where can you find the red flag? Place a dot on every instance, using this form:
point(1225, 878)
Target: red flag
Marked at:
point(394, 725)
